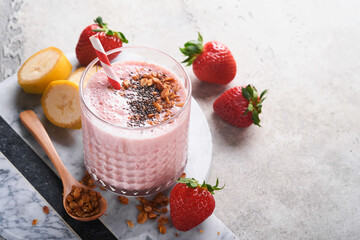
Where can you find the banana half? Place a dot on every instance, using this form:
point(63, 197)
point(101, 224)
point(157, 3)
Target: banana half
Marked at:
point(61, 104)
point(43, 67)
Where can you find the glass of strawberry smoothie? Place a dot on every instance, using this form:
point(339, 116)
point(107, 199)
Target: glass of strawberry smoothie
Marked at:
point(136, 138)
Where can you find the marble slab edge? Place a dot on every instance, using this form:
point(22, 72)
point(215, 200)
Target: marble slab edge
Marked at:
point(45, 181)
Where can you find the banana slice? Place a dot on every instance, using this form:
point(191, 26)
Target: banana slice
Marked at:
point(76, 75)
point(42, 68)
point(61, 104)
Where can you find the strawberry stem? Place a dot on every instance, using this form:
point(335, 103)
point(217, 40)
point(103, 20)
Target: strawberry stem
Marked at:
point(192, 49)
point(104, 28)
point(255, 102)
point(193, 183)
point(100, 22)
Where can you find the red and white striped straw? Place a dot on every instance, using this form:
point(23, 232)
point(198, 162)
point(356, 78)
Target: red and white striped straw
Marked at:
point(105, 63)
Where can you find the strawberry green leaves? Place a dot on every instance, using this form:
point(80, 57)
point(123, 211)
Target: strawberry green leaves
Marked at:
point(190, 182)
point(193, 183)
point(210, 188)
point(192, 49)
point(100, 22)
point(104, 28)
point(255, 102)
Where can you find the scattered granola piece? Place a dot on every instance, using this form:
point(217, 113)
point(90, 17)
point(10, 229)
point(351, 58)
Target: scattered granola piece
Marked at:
point(176, 234)
point(162, 229)
point(142, 217)
point(218, 233)
point(161, 199)
point(183, 175)
point(46, 209)
point(129, 223)
point(123, 200)
point(34, 222)
point(163, 220)
point(140, 208)
point(88, 181)
point(201, 231)
point(148, 209)
point(152, 215)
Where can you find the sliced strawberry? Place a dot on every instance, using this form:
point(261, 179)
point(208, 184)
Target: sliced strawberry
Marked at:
point(240, 106)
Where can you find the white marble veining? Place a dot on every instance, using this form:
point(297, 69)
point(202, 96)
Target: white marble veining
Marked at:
point(20, 203)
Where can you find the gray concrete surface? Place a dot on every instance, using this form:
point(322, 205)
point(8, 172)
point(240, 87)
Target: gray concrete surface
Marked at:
point(11, 47)
point(297, 177)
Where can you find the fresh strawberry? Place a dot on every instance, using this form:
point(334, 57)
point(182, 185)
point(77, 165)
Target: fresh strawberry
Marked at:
point(240, 106)
point(85, 53)
point(212, 63)
point(190, 203)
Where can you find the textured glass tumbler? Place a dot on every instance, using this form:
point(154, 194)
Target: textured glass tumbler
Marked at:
point(143, 160)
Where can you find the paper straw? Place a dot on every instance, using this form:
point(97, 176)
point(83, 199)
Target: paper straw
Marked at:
point(105, 63)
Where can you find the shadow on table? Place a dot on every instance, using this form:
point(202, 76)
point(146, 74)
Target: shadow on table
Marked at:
point(203, 90)
point(24, 101)
point(207, 93)
point(233, 136)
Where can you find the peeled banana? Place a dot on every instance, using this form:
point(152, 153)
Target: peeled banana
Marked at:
point(43, 67)
point(61, 104)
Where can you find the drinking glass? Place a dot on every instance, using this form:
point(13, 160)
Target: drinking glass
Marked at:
point(136, 161)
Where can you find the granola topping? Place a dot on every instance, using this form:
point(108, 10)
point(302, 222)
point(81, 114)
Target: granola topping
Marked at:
point(151, 96)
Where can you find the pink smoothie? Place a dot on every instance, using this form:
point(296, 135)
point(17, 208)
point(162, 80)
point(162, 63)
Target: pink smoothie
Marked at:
point(131, 146)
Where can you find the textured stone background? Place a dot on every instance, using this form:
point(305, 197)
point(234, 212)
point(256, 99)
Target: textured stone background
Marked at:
point(11, 48)
point(297, 177)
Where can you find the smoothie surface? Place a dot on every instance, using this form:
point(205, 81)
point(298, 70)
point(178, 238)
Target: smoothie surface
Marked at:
point(149, 95)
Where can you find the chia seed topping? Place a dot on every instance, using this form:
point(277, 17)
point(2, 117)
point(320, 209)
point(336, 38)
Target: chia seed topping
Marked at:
point(142, 105)
point(150, 97)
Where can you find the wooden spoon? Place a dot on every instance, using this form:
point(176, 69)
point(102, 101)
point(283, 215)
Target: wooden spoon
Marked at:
point(35, 127)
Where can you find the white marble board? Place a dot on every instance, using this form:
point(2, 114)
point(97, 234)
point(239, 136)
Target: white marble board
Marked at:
point(68, 143)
